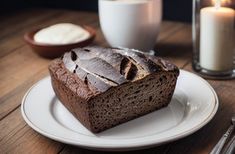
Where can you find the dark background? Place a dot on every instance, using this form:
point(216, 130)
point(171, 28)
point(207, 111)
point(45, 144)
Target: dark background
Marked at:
point(178, 10)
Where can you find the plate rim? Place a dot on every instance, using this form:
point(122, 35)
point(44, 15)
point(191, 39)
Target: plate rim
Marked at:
point(133, 146)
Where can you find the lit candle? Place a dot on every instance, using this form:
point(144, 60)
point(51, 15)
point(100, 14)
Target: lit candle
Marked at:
point(217, 38)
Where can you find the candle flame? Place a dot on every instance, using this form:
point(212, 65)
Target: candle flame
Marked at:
point(218, 3)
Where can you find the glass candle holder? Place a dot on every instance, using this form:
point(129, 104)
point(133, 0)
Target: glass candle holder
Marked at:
point(214, 38)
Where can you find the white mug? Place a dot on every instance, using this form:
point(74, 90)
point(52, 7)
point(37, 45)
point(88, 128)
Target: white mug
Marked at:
point(131, 23)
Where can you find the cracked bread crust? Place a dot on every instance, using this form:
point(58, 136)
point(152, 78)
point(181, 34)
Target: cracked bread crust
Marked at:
point(102, 68)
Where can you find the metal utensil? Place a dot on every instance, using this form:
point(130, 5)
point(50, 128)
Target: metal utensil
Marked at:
point(230, 148)
point(218, 147)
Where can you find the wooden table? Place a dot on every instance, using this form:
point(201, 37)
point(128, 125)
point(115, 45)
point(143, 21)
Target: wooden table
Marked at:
point(20, 68)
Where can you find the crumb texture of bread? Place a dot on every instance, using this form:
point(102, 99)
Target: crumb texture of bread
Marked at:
point(104, 87)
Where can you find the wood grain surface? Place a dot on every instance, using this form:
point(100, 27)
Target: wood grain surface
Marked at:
point(20, 68)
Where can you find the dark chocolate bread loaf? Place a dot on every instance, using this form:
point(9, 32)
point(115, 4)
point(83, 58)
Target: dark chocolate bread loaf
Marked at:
point(103, 87)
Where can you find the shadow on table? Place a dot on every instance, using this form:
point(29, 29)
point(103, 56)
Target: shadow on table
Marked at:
point(73, 150)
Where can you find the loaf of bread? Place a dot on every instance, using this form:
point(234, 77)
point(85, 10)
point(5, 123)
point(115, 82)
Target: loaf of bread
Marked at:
point(104, 87)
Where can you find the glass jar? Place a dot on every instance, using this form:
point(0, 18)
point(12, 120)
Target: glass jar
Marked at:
point(214, 38)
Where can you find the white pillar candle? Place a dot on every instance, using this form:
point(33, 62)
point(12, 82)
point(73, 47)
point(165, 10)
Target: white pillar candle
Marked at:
point(217, 38)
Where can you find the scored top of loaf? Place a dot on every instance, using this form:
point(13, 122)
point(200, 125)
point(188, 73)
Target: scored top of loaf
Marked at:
point(104, 68)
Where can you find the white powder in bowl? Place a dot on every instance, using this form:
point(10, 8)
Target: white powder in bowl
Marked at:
point(62, 33)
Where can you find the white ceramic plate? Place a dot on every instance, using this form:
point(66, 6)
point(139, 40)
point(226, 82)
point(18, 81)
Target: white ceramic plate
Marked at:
point(193, 105)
